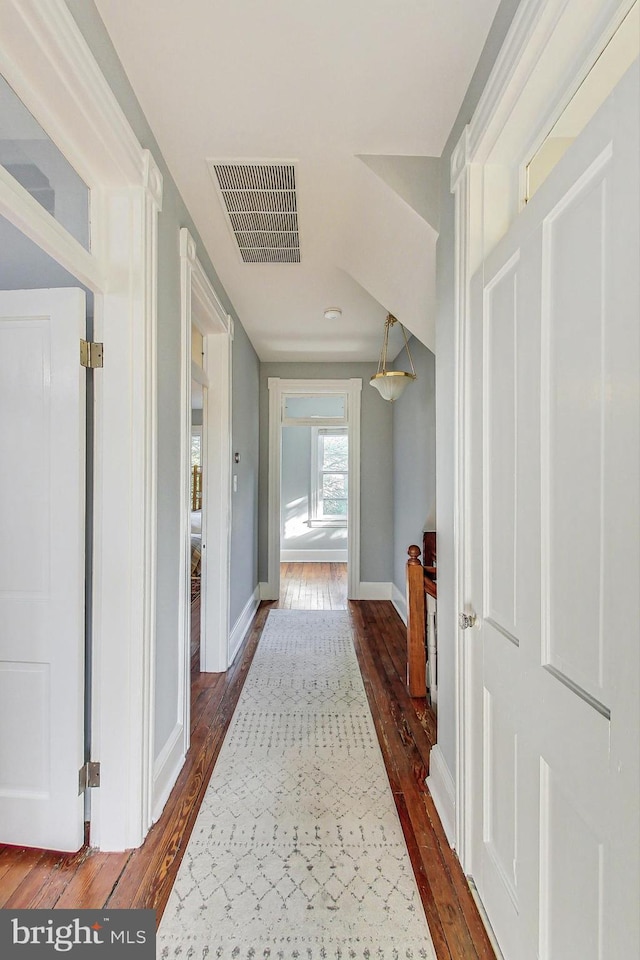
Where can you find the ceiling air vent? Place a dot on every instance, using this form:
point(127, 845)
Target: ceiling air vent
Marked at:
point(260, 201)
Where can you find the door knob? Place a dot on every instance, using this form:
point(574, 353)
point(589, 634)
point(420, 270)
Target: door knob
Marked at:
point(466, 620)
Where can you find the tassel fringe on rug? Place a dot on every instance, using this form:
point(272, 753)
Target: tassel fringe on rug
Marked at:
point(297, 852)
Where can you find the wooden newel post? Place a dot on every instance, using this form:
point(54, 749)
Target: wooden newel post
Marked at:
point(416, 654)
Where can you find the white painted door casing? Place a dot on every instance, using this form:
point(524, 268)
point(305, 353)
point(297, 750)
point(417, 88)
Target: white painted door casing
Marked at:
point(42, 571)
point(554, 524)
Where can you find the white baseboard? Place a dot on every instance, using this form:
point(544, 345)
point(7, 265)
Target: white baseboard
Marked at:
point(313, 556)
point(399, 600)
point(166, 769)
point(442, 789)
point(243, 623)
point(374, 590)
point(266, 593)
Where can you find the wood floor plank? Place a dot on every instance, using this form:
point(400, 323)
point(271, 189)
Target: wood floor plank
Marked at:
point(19, 863)
point(38, 877)
point(93, 885)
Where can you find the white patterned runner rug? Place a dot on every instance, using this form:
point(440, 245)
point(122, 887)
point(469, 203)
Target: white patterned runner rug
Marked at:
point(297, 852)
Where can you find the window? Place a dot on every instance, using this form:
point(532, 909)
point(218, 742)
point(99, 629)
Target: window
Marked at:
point(329, 476)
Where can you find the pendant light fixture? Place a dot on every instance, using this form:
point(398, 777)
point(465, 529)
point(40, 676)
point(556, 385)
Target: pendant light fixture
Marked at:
point(390, 384)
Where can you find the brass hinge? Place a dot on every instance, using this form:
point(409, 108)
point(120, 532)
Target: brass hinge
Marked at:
point(89, 776)
point(91, 354)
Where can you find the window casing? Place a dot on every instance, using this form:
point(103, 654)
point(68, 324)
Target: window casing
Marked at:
point(329, 477)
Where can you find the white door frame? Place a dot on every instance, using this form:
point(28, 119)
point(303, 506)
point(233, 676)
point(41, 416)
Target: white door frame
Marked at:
point(46, 60)
point(548, 51)
point(202, 308)
point(278, 390)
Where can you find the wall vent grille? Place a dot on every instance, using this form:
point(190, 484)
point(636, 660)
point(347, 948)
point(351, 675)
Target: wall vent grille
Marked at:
point(261, 204)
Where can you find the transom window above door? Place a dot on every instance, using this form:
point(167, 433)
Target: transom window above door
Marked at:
point(29, 155)
point(307, 409)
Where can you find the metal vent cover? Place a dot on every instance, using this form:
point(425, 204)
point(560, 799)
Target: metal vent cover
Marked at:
point(262, 208)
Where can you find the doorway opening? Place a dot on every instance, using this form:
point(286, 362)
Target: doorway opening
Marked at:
point(314, 503)
point(196, 495)
point(314, 491)
point(205, 526)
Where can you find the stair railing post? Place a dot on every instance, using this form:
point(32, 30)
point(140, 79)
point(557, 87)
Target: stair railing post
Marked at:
point(416, 652)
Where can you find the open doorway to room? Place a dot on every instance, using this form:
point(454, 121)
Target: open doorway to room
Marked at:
point(314, 514)
point(196, 496)
point(206, 338)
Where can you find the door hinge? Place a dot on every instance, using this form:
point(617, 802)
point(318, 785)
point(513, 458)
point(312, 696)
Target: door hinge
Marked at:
point(89, 776)
point(91, 354)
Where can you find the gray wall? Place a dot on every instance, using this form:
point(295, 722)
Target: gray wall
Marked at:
point(376, 503)
point(445, 395)
point(174, 215)
point(414, 458)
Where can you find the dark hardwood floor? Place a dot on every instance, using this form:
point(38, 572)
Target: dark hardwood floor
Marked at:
point(313, 586)
point(406, 730)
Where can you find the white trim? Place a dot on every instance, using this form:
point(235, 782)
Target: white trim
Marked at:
point(242, 624)
point(278, 389)
point(548, 51)
point(485, 919)
point(322, 428)
point(442, 789)
point(375, 590)
point(51, 68)
point(202, 308)
point(399, 600)
point(313, 556)
point(166, 768)
point(264, 590)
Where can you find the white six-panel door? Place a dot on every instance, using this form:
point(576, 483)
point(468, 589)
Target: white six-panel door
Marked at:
point(555, 531)
point(42, 509)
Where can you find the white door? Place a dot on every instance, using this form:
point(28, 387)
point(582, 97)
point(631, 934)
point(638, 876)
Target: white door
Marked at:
point(42, 503)
point(555, 568)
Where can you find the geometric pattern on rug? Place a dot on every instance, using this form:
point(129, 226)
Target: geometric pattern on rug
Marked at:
point(297, 852)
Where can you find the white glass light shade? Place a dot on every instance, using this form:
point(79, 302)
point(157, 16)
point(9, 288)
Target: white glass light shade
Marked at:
point(390, 384)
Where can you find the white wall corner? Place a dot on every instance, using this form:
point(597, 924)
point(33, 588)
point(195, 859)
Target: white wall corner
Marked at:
point(242, 624)
point(375, 590)
point(399, 601)
point(442, 789)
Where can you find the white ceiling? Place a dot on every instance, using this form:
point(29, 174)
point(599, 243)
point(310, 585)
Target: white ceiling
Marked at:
point(353, 91)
